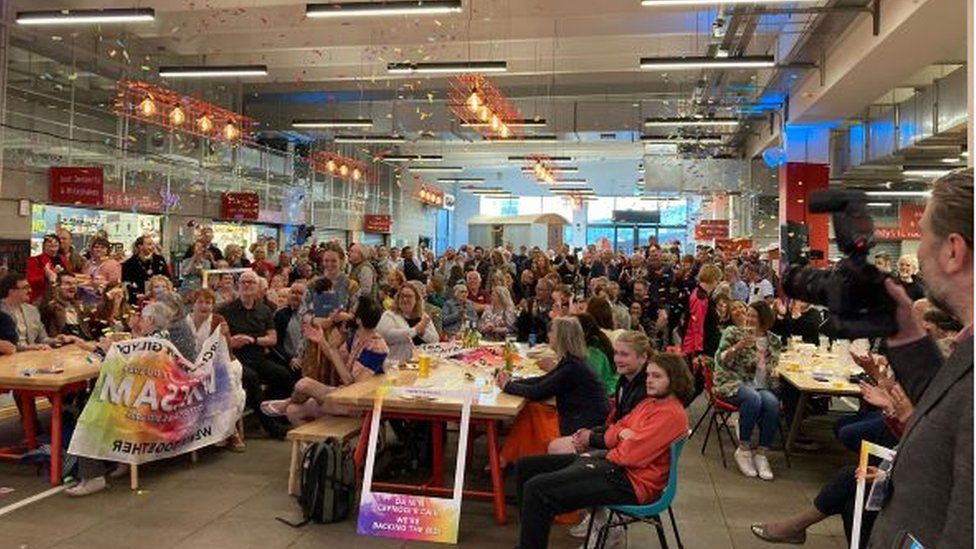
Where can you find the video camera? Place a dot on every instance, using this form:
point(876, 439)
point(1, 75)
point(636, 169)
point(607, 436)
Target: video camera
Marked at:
point(853, 291)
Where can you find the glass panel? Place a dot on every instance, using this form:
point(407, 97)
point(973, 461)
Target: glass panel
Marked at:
point(625, 239)
point(644, 234)
point(598, 234)
point(667, 235)
point(600, 210)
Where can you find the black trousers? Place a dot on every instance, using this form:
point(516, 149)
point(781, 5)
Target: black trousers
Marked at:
point(260, 369)
point(552, 485)
point(837, 498)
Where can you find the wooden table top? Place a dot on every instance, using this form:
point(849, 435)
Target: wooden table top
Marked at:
point(444, 375)
point(793, 370)
point(74, 360)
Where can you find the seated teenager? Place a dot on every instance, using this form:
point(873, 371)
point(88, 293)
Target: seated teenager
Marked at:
point(357, 359)
point(581, 400)
point(634, 471)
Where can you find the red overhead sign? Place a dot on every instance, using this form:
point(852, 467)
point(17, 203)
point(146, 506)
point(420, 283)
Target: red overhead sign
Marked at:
point(240, 205)
point(711, 229)
point(74, 185)
point(378, 224)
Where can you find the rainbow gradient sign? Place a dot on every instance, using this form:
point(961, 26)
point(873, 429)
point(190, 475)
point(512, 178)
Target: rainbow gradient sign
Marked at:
point(406, 516)
point(151, 403)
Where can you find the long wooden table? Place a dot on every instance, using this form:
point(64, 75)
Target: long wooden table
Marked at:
point(491, 407)
point(78, 368)
point(799, 372)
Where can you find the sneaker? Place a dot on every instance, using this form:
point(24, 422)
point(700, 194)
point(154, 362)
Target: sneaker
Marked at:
point(762, 467)
point(579, 531)
point(743, 458)
point(87, 487)
point(616, 539)
point(119, 471)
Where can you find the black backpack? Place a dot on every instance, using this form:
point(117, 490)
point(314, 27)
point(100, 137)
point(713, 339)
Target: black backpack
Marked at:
point(328, 483)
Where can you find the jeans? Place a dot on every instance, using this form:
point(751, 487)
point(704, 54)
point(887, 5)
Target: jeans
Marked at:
point(552, 485)
point(837, 498)
point(757, 406)
point(868, 425)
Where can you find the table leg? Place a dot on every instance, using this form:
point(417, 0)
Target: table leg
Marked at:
point(57, 403)
point(28, 417)
point(801, 406)
point(363, 443)
point(437, 433)
point(497, 480)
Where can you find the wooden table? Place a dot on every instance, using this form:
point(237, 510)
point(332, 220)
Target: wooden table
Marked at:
point(78, 368)
point(490, 408)
point(799, 372)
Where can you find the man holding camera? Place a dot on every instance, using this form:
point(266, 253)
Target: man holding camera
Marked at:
point(930, 492)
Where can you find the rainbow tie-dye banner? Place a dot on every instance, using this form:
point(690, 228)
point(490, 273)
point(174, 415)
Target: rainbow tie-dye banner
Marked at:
point(150, 403)
point(405, 516)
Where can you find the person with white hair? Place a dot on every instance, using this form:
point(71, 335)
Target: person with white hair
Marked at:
point(907, 277)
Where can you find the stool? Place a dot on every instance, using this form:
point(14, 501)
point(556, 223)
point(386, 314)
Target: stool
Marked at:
point(339, 428)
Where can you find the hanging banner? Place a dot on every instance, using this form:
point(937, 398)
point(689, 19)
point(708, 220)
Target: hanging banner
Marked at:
point(909, 216)
point(733, 245)
point(375, 223)
point(74, 185)
point(150, 403)
point(711, 229)
point(240, 205)
point(407, 516)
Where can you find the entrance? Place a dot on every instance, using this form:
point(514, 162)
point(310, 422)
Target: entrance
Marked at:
point(625, 237)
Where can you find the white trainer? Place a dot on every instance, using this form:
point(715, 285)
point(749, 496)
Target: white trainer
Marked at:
point(87, 487)
point(743, 458)
point(762, 467)
point(579, 531)
point(616, 539)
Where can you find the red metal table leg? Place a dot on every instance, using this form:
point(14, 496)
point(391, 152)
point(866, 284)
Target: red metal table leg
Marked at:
point(28, 417)
point(363, 444)
point(57, 401)
point(437, 433)
point(497, 480)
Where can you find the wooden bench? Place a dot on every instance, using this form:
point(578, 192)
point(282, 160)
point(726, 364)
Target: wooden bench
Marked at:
point(341, 428)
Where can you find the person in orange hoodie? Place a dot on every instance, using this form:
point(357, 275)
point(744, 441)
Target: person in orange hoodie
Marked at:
point(634, 471)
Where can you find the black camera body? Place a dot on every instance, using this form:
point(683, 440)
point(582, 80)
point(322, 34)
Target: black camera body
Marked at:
point(853, 291)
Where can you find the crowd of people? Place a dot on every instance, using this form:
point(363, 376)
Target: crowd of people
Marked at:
point(634, 339)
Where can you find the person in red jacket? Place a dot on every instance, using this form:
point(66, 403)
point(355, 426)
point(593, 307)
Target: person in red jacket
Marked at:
point(634, 471)
point(43, 268)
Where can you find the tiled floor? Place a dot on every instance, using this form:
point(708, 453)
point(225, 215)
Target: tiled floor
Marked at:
point(230, 500)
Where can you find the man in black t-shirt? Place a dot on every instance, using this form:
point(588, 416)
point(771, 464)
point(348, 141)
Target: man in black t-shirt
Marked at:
point(251, 325)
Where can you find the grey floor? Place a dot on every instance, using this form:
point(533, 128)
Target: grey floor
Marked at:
point(231, 500)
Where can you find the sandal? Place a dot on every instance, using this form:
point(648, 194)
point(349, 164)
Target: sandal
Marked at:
point(759, 530)
point(274, 408)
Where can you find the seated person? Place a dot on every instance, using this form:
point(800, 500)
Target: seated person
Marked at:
point(599, 351)
point(357, 359)
point(406, 325)
point(64, 313)
point(252, 335)
point(8, 335)
point(581, 400)
point(498, 320)
point(14, 301)
point(458, 312)
point(288, 328)
point(634, 471)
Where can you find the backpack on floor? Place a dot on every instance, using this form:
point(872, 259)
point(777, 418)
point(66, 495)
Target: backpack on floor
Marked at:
point(328, 483)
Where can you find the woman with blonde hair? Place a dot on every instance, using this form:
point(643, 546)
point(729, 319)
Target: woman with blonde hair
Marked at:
point(406, 324)
point(498, 320)
point(581, 401)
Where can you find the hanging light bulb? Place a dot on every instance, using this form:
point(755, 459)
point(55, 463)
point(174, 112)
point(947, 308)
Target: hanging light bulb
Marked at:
point(504, 132)
point(205, 124)
point(147, 107)
point(177, 116)
point(331, 166)
point(231, 132)
point(356, 174)
point(484, 113)
point(343, 170)
point(495, 122)
point(474, 101)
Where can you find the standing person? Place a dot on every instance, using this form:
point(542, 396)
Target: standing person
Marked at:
point(101, 268)
point(702, 334)
point(883, 262)
point(234, 256)
point(406, 325)
point(411, 268)
point(634, 471)
point(144, 264)
point(191, 268)
point(621, 316)
point(760, 289)
point(206, 237)
point(744, 366)
point(930, 492)
point(43, 268)
point(252, 334)
point(738, 289)
point(75, 263)
point(907, 269)
point(265, 269)
point(362, 272)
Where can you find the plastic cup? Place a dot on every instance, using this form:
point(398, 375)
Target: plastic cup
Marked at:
point(423, 363)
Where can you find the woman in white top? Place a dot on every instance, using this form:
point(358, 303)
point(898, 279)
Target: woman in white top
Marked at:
point(406, 325)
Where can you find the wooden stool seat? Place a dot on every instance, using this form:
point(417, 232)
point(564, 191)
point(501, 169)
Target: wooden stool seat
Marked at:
point(340, 428)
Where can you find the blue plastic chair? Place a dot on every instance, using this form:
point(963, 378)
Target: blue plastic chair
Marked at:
point(649, 513)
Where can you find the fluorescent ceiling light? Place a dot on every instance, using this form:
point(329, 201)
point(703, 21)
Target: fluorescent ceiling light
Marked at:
point(559, 169)
point(458, 67)
point(411, 158)
point(332, 123)
point(670, 3)
point(535, 158)
point(81, 17)
point(435, 168)
point(370, 139)
point(215, 71)
point(519, 123)
point(465, 180)
point(679, 63)
point(951, 159)
point(879, 204)
point(378, 9)
point(703, 140)
point(570, 181)
point(927, 173)
point(690, 122)
point(899, 194)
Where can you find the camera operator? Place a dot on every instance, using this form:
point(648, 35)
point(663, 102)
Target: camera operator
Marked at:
point(930, 494)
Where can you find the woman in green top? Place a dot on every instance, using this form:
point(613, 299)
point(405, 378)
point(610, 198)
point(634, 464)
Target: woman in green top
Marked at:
point(599, 352)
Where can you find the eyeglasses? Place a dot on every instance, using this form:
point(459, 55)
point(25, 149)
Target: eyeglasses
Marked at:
point(19, 287)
